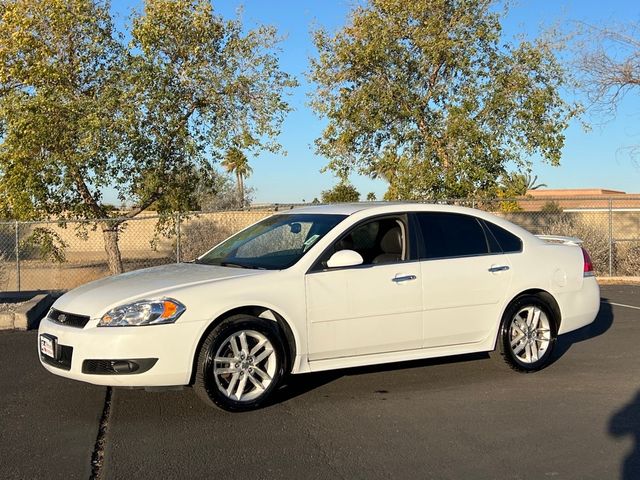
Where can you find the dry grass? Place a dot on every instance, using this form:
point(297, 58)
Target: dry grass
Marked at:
point(200, 236)
point(595, 239)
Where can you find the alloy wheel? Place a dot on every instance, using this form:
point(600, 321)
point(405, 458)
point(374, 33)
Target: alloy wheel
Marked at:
point(529, 334)
point(244, 366)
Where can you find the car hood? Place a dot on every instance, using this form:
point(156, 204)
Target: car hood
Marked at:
point(96, 297)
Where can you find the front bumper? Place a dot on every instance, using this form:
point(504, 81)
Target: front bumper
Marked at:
point(173, 345)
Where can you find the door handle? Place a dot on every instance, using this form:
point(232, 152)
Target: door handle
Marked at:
point(403, 278)
point(499, 268)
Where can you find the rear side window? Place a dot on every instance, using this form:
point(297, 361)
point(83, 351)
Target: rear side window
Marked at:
point(451, 235)
point(507, 240)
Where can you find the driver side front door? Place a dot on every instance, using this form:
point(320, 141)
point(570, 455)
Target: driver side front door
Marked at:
point(367, 309)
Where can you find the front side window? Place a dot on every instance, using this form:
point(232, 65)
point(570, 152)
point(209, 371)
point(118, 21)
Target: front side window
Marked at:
point(274, 243)
point(448, 235)
point(377, 241)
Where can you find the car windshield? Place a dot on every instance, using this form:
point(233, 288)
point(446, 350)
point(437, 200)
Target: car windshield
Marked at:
point(275, 243)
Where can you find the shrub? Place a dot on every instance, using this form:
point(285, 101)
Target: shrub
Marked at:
point(627, 259)
point(4, 278)
point(551, 207)
point(199, 235)
point(596, 240)
point(510, 206)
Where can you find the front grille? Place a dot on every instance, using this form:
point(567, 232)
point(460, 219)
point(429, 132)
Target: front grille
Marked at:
point(64, 358)
point(68, 319)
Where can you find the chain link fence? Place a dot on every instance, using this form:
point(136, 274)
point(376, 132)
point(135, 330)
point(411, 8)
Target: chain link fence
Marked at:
point(52, 255)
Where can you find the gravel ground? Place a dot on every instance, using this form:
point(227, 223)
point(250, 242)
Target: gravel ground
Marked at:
point(10, 306)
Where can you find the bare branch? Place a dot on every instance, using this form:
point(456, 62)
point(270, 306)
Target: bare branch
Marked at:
point(609, 63)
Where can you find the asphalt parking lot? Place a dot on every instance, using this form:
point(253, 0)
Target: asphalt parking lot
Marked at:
point(467, 417)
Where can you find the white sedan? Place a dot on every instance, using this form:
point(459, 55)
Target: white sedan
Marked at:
point(320, 288)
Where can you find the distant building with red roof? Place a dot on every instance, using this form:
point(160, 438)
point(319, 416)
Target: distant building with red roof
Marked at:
point(580, 199)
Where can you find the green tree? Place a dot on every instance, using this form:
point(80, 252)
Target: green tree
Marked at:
point(60, 90)
point(428, 95)
point(340, 193)
point(236, 162)
point(81, 111)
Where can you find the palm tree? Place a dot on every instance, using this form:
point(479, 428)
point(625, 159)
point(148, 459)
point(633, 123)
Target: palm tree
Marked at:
point(515, 183)
point(235, 161)
point(532, 182)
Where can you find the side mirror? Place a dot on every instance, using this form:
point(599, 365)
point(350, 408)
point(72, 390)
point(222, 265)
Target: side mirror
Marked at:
point(345, 258)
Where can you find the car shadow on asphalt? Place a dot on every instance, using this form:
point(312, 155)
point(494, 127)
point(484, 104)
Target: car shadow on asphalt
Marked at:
point(598, 327)
point(626, 422)
point(296, 385)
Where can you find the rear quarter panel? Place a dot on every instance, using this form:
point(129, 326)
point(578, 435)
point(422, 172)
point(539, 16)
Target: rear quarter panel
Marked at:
point(557, 269)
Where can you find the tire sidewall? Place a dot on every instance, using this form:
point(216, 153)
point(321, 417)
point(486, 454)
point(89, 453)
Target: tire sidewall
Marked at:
point(217, 336)
point(505, 341)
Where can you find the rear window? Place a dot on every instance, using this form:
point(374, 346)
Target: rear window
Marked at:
point(507, 240)
point(451, 235)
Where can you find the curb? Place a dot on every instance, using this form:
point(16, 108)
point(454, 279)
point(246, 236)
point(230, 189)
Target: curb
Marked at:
point(618, 280)
point(27, 316)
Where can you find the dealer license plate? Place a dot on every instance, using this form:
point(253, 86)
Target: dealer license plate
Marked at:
point(48, 346)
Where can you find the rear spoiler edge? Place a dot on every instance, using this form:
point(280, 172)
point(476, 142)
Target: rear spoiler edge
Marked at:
point(560, 239)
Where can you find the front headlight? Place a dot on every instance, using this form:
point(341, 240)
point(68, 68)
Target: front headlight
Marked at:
point(143, 312)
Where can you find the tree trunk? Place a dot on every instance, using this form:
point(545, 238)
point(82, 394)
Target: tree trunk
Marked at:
point(111, 247)
point(240, 189)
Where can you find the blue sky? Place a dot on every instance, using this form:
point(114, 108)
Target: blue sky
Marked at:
point(592, 159)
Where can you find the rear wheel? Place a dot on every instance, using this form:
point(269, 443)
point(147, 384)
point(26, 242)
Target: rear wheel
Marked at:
point(528, 334)
point(240, 363)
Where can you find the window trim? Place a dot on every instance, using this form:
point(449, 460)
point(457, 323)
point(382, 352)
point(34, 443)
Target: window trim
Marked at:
point(410, 243)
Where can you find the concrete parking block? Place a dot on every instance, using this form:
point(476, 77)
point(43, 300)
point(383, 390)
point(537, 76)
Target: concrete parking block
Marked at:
point(28, 316)
point(6, 320)
point(28, 313)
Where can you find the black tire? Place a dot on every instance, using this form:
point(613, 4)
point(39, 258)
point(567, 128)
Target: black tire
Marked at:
point(213, 388)
point(509, 334)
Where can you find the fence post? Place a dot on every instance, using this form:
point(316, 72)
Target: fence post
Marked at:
point(610, 237)
point(17, 256)
point(178, 235)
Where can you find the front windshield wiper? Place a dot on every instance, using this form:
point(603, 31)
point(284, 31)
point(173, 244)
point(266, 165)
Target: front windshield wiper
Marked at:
point(239, 265)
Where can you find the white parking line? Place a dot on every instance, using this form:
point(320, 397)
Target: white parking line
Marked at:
point(622, 305)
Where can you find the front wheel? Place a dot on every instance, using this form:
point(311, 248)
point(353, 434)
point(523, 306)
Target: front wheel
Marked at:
point(528, 334)
point(240, 364)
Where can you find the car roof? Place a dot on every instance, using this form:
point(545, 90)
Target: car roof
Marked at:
point(340, 208)
point(372, 208)
point(383, 207)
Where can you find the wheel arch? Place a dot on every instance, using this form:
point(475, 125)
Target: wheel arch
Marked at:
point(543, 295)
point(258, 311)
